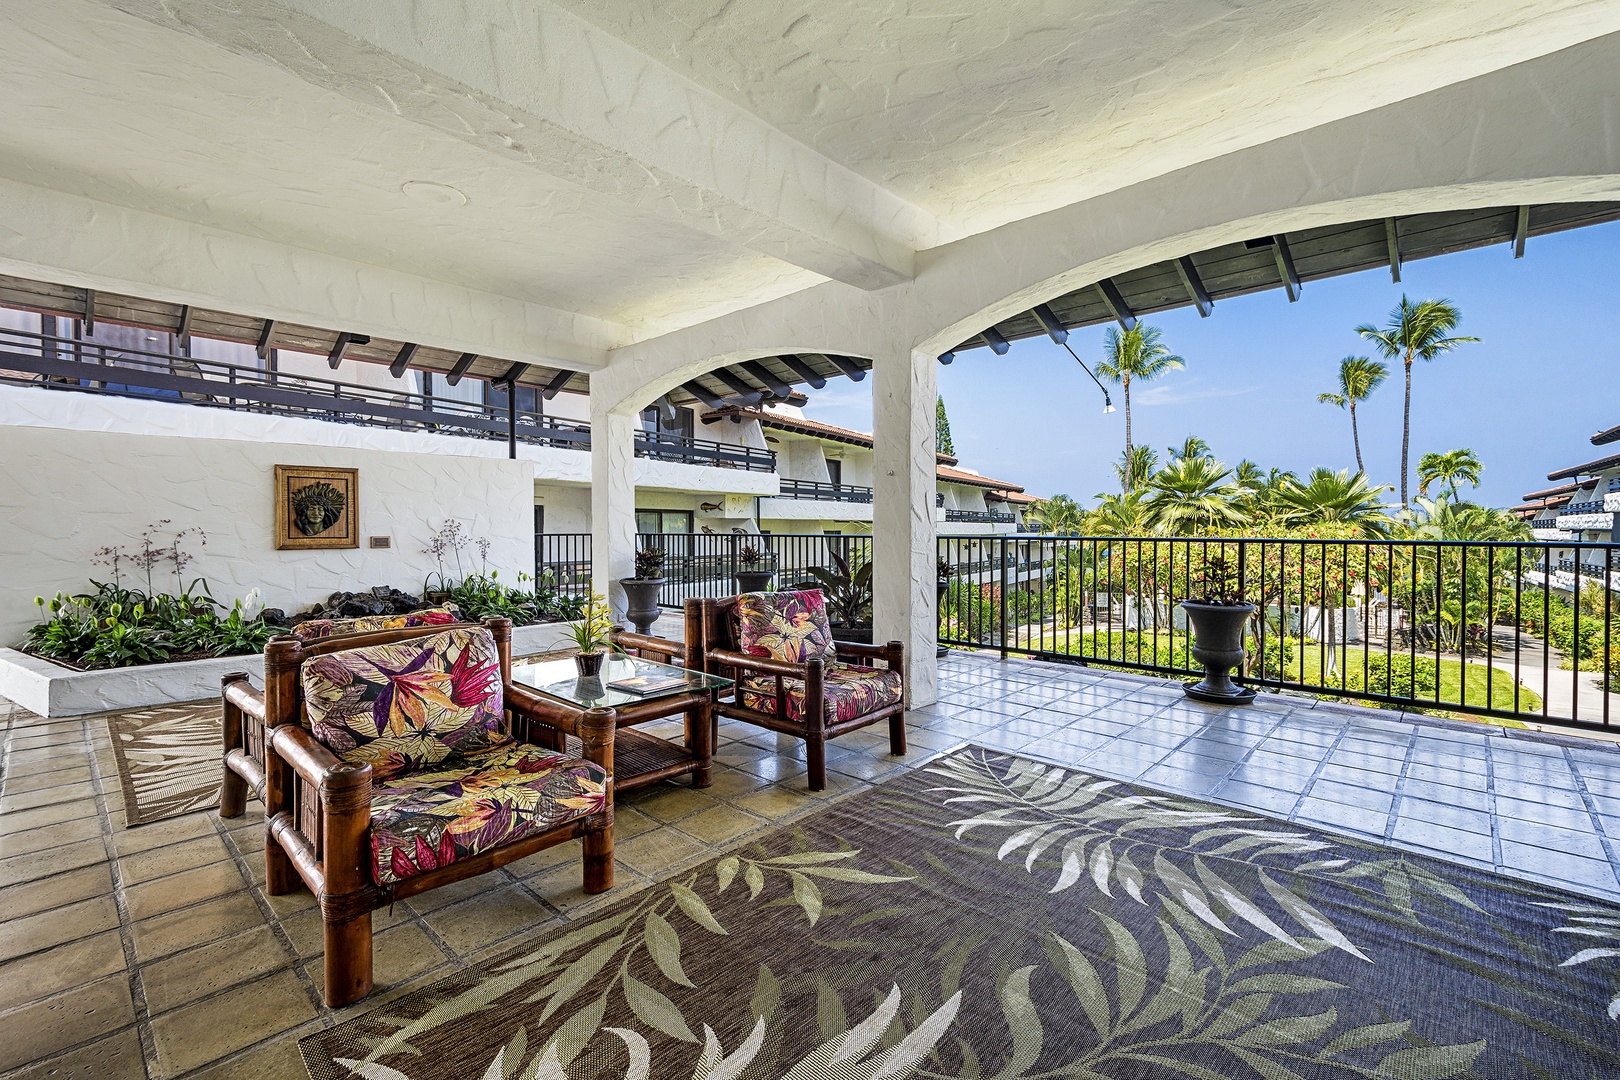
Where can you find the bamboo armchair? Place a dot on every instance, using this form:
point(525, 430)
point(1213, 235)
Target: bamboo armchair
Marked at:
point(716, 622)
point(318, 808)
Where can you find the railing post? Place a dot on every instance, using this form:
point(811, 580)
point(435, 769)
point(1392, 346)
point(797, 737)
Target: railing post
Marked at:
point(1002, 543)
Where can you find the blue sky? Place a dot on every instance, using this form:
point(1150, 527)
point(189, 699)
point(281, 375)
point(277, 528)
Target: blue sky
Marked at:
point(1526, 399)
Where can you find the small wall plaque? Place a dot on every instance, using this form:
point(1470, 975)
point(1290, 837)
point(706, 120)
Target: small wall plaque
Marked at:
point(382, 541)
point(317, 507)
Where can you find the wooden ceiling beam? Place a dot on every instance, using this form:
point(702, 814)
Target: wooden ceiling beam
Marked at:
point(512, 374)
point(805, 371)
point(1195, 286)
point(1393, 245)
point(703, 394)
point(402, 360)
point(554, 387)
point(1285, 267)
point(1116, 304)
point(463, 366)
point(262, 348)
point(763, 374)
point(849, 367)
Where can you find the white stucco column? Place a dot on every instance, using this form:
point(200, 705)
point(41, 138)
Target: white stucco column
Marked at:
point(613, 500)
point(903, 607)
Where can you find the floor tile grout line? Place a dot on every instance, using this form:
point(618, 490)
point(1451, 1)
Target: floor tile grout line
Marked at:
point(1321, 763)
point(1608, 843)
point(1400, 789)
point(1489, 753)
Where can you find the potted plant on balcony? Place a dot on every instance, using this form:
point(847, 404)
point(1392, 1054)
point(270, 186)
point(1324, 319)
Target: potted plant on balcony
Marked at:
point(591, 635)
point(1219, 615)
point(942, 585)
point(752, 574)
point(848, 591)
point(641, 591)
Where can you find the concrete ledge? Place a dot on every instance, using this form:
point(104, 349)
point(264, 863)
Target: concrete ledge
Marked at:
point(52, 690)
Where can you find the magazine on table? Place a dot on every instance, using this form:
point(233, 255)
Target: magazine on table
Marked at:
point(648, 684)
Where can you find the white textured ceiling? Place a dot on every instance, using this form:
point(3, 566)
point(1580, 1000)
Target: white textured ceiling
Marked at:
point(654, 166)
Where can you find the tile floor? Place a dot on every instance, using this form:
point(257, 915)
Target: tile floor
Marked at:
point(155, 952)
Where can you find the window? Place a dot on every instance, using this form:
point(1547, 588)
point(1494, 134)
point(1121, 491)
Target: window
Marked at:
point(835, 472)
point(655, 421)
point(668, 522)
point(528, 397)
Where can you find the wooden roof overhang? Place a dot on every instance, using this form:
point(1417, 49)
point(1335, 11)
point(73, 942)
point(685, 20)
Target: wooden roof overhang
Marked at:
point(1287, 261)
point(184, 321)
point(1587, 469)
point(1604, 437)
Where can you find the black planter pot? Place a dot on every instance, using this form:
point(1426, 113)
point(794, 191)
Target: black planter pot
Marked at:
point(1218, 645)
point(860, 635)
point(754, 580)
point(641, 595)
point(941, 587)
point(589, 664)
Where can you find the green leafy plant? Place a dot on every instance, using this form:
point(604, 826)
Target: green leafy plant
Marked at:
point(590, 633)
point(649, 563)
point(121, 640)
point(848, 589)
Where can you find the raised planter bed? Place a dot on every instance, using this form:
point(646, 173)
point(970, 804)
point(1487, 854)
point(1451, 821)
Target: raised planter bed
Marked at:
point(53, 690)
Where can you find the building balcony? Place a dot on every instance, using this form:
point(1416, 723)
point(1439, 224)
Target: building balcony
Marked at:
point(1590, 522)
point(981, 517)
point(824, 492)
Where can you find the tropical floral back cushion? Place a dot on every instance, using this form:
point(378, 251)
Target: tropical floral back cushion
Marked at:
point(316, 629)
point(408, 704)
point(787, 626)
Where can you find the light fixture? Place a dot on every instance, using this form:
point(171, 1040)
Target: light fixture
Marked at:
point(1108, 402)
point(432, 193)
point(1108, 405)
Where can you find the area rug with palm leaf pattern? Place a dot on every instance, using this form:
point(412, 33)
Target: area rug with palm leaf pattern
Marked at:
point(991, 916)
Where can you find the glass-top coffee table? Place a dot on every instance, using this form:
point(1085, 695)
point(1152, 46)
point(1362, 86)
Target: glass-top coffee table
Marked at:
point(639, 759)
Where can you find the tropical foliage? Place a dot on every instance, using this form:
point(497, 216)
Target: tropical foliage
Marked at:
point(1358, 378)
point(1135, 355)
point(1449, 469)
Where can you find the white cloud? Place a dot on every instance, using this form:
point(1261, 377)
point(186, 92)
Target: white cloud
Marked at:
point(1177, 395)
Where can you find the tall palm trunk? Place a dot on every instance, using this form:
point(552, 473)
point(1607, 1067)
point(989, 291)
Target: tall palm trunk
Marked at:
point(1130, 478)
point(1406, 429)
point(1355, 437)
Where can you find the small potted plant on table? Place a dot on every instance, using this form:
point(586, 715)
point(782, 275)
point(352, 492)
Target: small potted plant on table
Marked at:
point(591, 636)
point(1219, 616)
point(641, 591)
point(752, 574)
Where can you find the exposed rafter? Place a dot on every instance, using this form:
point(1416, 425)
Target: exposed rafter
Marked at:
point(1393, 240)
point(333, 358)
point(262, 348)
point(89, 311)
point(804, 371)
point(1521, 229)
point(1195, 286)
point(1116, 304)
point(513, 374)
point(402, 360)
point(1285, 267)
point(463, 366)
point(996, 340)
point(554, 387)
point(849, 367)
point(1051, 323)
point(739, 385)
point(703, 394)
point(763, 374)
point(183, 332)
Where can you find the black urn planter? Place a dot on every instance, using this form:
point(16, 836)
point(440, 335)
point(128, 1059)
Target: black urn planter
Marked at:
point(941, 587)
point(754, 580)
point(1218, 645)
point(641, 597)
point(859, 635)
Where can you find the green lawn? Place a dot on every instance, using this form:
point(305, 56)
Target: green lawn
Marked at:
point(1306, 666)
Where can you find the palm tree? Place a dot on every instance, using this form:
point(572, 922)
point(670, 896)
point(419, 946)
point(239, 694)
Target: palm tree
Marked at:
point(1193, 493)
point(1463, 521)
point(1134, 467)
point(1358, 378)
point(1120, 515)
point(1415, 332)
point(1135, 354)
point(1329, 496)
point(1059, 515)
point(1193, 447)
point(1450, 468)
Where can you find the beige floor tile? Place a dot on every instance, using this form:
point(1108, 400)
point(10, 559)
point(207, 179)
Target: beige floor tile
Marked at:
point(719, 825)
point(187, 976)
point(211, 1029)
point(58, 890)
point(42, 760)
point(628, 822)
point(478, 923)
point(774, 768)
point(172, 859)
point(398, 955)
point(654, 853)
point(563, 887)
point(60, 969)
point(277, 1059)
point(730, 783)
point(50, 836)
point(50, 814)
point(15, 800)
point(48, 1027)
point(306, 931)
point(209, 921)
point(566, 854)
point(184, 889)
point(931, 740)
point(55, 778)
point(457, 891)
point(158, 833)
point(54, 926)
point(41, 864)
point(670, 803)
point(776, 802)
point(866, 768)
point(291, 903)
point(116, 1057)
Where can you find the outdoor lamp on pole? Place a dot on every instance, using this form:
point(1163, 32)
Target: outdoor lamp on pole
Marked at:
point(1059, 333)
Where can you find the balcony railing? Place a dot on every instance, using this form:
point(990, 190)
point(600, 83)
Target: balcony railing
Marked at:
point(980, 516)
point(816, 489)
point(68, 364)
point(1594, 506)
point(1441, 626)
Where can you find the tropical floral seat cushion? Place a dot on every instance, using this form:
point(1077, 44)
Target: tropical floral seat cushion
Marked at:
point(316, 629)
point(408, 704)
point(787, 626)
point(424, 820)
point(847, 692)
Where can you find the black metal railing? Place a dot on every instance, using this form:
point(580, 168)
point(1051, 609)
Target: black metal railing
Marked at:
point(563, 560)
point(703, 564)
point(1595, 506)
point(69, 364)
point(1471, 628)
point(816, 489)
point(980, 516)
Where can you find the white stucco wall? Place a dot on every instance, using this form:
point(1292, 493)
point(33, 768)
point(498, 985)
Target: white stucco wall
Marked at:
point(67, 493)
point(568, 507)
